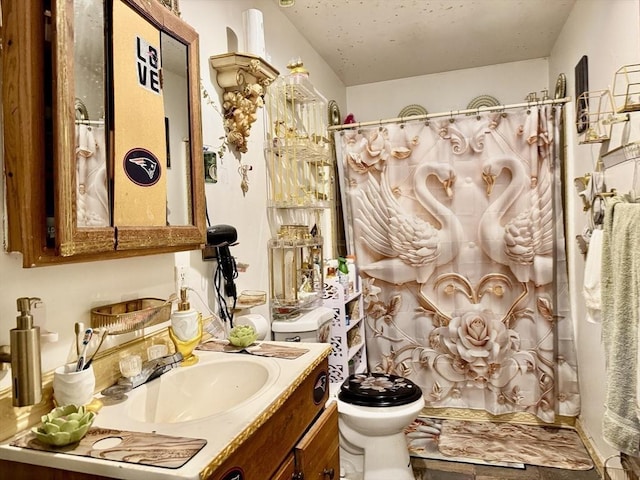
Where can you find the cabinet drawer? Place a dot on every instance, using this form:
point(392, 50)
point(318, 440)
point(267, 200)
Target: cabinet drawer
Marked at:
point(317, 453)
point(287, 470)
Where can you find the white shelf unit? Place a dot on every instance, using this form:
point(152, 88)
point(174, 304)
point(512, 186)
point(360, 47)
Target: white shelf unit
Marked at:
point(349, 351)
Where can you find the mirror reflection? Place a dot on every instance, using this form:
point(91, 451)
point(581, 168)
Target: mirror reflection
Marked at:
point(93, 172)
point(175, 86)
point(92, 199)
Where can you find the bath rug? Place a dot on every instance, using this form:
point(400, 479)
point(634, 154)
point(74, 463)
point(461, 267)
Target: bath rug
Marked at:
point(530, 444)
point(422, 439)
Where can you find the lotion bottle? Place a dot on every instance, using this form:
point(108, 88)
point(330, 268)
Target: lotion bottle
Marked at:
point(186, 330)
point(184, 321)
point(25, 357)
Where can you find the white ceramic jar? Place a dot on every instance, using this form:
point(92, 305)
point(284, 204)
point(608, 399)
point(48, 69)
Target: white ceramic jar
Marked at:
point(71, 387)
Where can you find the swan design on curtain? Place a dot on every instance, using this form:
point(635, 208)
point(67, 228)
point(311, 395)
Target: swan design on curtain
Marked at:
point(411, 247)
point(464, 286)
point(524, 243)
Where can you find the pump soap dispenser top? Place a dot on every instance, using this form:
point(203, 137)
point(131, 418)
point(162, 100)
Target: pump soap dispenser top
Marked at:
point(184, 321)
point(26, 366)
point(186, 330)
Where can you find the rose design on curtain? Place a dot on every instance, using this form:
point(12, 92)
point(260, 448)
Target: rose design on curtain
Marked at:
point(478, 347)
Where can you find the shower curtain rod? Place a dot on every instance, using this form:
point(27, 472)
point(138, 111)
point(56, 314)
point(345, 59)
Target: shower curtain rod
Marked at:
point(450, 113)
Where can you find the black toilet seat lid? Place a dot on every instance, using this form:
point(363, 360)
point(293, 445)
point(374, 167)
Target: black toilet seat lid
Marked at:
point(378, 390)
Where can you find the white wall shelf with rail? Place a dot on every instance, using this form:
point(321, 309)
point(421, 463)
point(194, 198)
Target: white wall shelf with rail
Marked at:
point(349, 352)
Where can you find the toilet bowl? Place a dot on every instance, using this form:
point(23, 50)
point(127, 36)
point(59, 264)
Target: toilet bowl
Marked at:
point(373, 411)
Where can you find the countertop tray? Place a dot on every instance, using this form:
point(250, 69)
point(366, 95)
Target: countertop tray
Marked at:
point(150, 449)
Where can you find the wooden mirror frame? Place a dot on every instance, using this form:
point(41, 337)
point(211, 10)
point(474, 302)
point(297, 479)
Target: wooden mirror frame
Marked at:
point(24, 142)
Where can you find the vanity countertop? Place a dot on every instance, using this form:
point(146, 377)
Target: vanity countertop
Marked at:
point(224, 432)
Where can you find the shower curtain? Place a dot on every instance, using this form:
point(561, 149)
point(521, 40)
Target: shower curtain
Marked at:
point(457, 227)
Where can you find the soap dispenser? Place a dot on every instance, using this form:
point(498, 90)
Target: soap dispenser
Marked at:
point(186, 329)
point(26, 368)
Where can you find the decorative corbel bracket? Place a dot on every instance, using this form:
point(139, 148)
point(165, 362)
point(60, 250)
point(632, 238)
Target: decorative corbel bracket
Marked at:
point(243, 77)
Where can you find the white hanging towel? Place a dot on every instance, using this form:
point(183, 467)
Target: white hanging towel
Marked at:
point(592, 277)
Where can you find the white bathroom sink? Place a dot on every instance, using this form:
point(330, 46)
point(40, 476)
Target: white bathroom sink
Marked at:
point(208, 388)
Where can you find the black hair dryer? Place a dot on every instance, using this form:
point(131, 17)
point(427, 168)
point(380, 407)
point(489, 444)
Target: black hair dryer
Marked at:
point(219, 238)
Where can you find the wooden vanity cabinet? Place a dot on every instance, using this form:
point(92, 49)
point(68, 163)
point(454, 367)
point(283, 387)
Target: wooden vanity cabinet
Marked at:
point(299, 441)
point(317, 454)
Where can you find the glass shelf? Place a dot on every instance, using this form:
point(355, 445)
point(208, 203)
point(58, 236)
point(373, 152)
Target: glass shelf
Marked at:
point(624, 153)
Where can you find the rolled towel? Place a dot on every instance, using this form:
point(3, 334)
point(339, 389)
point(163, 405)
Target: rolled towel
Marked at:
point(592, 278)
point(258, 322)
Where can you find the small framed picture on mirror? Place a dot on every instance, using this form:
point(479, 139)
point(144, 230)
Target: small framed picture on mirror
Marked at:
point(582, 86)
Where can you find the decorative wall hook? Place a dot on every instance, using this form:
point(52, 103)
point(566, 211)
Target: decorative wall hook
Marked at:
point(244, 78)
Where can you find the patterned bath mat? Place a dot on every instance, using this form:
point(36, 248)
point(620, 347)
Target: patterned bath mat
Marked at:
point(513, 443)
point(423, 436)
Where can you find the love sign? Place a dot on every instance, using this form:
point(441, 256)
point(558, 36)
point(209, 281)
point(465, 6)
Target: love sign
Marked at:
point(148, 65)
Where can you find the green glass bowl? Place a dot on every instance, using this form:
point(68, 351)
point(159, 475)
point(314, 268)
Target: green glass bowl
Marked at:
point(242, 335)
point(64, 425)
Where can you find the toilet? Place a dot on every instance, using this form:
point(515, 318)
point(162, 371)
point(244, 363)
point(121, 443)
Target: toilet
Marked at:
point(373, 411)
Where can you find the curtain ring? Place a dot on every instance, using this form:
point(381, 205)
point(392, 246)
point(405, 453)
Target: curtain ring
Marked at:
point(478, 117)
point(451, 119)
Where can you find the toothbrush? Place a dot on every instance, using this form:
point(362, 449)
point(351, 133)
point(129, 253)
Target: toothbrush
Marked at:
point(103, 334)
point(78, 329)
point(88, 333)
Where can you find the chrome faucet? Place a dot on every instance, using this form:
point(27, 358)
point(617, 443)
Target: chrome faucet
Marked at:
point(152, 369)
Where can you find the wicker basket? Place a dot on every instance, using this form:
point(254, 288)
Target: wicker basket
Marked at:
point(131, 315)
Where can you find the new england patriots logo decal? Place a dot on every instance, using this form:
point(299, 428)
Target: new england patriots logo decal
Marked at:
point(320, 388)
point(142, 167)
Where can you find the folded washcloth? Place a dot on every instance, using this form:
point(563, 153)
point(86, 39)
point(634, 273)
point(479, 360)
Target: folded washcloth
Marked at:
point(591, 286)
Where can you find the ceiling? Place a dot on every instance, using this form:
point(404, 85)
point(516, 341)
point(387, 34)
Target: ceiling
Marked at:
point(366, 41)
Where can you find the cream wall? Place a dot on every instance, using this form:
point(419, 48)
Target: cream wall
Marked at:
point(225, 202)
point(70, 291)
point(443, 92)
point(609, 34)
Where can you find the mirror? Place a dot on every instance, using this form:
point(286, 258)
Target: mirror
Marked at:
point(91, 158)
point(163, 101)
point(161, 71)
point(176, 96)
point(70, 114)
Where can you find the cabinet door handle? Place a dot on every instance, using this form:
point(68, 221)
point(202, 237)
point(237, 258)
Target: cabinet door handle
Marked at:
point(297, 338)
point(329, 473)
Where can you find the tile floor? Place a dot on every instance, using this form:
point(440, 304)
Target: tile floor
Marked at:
point(442, 470)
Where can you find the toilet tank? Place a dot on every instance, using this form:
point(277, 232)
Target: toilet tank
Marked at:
point(313, 326)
